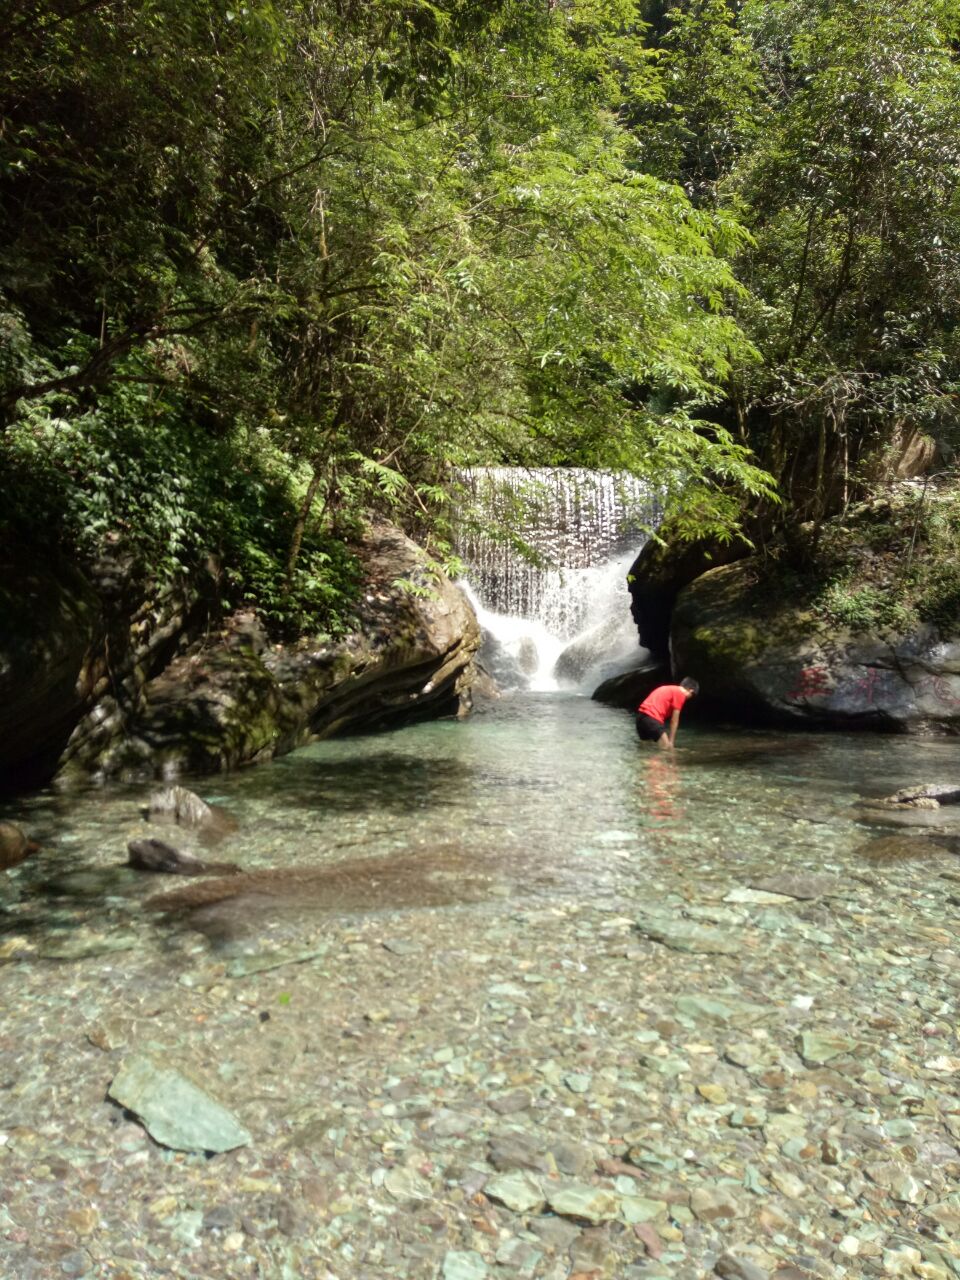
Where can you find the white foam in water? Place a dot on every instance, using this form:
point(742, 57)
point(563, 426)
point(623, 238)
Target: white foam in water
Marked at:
point(525, 651)
point(574, 609)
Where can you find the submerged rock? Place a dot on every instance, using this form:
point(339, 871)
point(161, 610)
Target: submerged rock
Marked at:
point(186, 809)
point(900, 848)
point(681, 935)
point(819, 1047)
point(807, 886)
point(14, 846)
point(155, 855)
point(580, 1200)
point(175, 1112)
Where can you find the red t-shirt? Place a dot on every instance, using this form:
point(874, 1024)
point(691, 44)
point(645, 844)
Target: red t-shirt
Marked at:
point(663, 701)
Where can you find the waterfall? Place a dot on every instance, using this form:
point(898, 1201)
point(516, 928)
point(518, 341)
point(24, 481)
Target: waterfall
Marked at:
point(547, 554)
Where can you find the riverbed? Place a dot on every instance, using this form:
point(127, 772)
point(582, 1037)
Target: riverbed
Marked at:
point(515, 996)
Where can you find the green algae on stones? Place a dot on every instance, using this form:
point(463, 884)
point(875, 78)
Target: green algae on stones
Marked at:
point(175, 1112)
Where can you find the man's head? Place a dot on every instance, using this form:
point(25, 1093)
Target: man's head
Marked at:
point(691, 686)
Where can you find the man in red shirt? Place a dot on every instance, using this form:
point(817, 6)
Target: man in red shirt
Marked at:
point(666, 700)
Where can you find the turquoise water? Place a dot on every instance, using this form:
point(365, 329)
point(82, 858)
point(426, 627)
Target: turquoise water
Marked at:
point(526, 928)
point(534, 796)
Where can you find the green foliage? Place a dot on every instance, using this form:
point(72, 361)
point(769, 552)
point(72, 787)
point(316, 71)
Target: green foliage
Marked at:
point(266, 267)
point(864, 607)
point(850, 192)
point(889, 565)
point(134, 479)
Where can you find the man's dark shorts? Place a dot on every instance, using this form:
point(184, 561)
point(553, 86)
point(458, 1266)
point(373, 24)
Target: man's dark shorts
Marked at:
point(650, 730)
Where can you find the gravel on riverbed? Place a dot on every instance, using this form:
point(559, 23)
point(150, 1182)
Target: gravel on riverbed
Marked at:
point(702, 1073)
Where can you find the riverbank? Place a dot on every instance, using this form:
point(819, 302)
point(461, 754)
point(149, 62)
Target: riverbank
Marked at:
point(579, 1032)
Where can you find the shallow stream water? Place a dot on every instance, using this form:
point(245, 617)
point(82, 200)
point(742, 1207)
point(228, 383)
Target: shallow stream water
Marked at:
point(529, 906)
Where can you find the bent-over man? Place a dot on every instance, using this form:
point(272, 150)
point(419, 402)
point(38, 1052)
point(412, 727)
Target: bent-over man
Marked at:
point(666, 700)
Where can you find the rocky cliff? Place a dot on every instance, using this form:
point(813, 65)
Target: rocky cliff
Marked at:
point(93, 684)
point(760, 657)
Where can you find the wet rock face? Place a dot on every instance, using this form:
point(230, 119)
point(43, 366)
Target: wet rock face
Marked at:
point(766, 662)
point(242, 701)
point(629, 689)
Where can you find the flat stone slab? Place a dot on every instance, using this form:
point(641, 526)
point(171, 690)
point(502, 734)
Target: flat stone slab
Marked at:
point(806, 887)
point(175, 1112)
point(721, 1009)
point(518, 1190)
point(753, 897)
point(819, 1047)
point(681, 935)
point(580, 1200)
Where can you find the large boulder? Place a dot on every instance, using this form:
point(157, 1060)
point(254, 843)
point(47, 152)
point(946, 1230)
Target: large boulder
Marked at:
point(760, 657)
point(661, 571)
point(236, 699)
point(629, 688)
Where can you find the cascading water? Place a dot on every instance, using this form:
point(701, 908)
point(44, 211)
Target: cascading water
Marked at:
point(557, 612)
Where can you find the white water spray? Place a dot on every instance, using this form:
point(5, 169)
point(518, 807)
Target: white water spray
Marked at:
point(562, 620)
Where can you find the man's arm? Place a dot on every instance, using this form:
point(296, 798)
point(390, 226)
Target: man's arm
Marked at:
point(674, 721)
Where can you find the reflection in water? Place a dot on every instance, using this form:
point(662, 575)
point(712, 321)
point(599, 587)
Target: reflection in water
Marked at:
point(662, 787)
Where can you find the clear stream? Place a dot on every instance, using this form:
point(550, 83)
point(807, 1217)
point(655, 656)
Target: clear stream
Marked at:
point(535, 795)
point(505, 997)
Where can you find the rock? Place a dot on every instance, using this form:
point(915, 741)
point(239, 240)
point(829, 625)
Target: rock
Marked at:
point(518, 1151)
point(732, 1267)
point(721, 1009)
point(577, 1082)
point(817, 1048)
point(712, 1201)
point(938, 792)
point(466, 1265)
point(14, 846)
point(518, 1190)
point(572, 1157)
point(407, 1184)
point(155, 855)
point(51, 623)
point(518, 1256)
point(508, 1103)
point(806, 886)
point(580, 1200)
point(175, 1112)
point(629, 688)
point(88, 686)
point(177, 804)
point(756, 897)
point(900, 848)
point(584, 652)
point(660, 571)
point(907, 1189)
point(765, 657)
point(649, 1239)
point(637, 1210)
point(680, 935)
